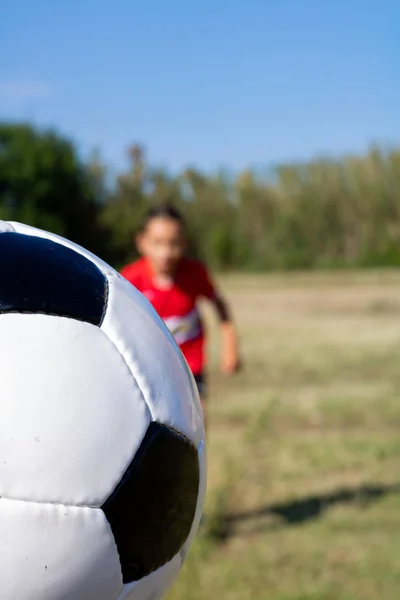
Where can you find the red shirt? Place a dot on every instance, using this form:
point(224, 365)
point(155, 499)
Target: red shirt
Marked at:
point(177, 305)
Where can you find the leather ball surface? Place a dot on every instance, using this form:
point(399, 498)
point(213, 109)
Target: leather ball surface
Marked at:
point(102, 455)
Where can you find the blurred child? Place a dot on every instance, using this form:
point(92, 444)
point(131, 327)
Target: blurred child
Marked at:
point(174, 283)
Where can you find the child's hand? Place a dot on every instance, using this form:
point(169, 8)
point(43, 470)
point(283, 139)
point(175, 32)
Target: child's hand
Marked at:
point(230, 363)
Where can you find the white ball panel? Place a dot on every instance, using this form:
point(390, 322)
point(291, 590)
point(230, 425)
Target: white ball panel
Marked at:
point(182, 411)
point(101, 264)
point(200, 499)
point(71, 415)
point(154, 586)
point(6, 227)
point(154, 359)
point(50, 552)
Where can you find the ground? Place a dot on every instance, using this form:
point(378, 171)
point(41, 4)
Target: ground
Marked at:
point(304, 449)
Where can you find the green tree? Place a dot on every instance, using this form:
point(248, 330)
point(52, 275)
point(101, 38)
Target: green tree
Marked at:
point(43, 183)
point(323, 213)
point(126, 205)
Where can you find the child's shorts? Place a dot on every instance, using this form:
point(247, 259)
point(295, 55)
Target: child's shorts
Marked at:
point(201, 383)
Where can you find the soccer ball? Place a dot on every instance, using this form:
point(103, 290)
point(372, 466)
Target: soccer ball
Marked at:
point(102, 457)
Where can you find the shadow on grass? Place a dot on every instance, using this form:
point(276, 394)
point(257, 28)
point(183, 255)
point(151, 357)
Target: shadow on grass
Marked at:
point(296, 512)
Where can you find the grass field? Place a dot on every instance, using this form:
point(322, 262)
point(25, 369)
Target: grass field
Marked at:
point(304, 448)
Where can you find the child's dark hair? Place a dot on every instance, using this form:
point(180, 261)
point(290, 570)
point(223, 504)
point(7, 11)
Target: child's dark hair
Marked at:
point(163, 211)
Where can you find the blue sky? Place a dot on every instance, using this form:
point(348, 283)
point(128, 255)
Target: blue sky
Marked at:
point(207, 83)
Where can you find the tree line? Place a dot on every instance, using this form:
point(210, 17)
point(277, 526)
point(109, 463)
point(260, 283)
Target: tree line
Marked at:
point(323, 213)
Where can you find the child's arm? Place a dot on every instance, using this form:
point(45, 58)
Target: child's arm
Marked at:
point(230, 361)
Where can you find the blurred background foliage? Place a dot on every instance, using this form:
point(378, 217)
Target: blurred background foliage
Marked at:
point(325, 213)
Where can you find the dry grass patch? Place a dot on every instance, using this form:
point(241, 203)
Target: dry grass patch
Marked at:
point(304, 449)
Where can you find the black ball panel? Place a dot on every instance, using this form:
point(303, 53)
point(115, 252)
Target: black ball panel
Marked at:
point(38, 275)
point(152, 509)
